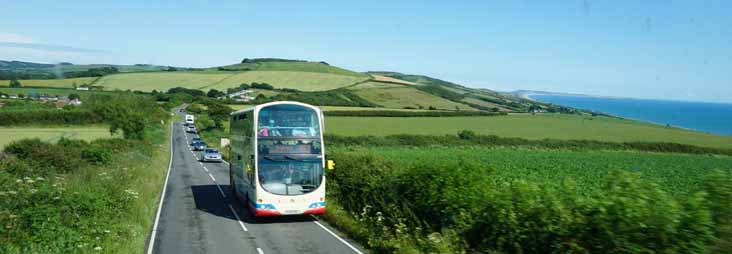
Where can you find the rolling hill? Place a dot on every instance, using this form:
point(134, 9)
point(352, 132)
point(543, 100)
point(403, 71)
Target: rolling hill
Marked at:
point(392, 90)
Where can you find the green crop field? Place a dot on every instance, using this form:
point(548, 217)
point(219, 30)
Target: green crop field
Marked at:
point(565, 127)
point(8, 135)
point(675, 173)
point(304, 81)
point(401, 97)
point(61, 83)
point(161, 81)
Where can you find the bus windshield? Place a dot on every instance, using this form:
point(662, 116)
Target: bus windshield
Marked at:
point(289, 149)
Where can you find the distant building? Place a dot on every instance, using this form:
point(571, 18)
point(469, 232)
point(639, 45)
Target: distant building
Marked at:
point(13, 96)
point(75, 102)
point(242, 96)
point(83, 88)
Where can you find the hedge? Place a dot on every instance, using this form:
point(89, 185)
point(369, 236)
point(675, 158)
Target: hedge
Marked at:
point(49, 117)
point(394, 113)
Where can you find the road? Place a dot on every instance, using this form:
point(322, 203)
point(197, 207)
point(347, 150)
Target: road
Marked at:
point(199, 216)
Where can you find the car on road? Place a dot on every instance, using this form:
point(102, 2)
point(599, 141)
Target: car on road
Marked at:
point(194, 140)
point(199, 146)
point(191, 129)
point(211, 154)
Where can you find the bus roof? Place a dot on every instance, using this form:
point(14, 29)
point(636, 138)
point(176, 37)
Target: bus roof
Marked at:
point(275, 103)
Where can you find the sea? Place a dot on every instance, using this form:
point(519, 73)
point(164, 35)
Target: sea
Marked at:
point(715, 118)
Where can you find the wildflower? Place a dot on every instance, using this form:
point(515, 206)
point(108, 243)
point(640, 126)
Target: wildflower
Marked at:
point(107, 231)
point(29, 181)
point(79, 245)
point(40, 178)
point(56, 198)
point(98, 248)
point(19, 181)
point(98, 238)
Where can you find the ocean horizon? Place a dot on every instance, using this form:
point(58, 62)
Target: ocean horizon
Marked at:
point(709, 117)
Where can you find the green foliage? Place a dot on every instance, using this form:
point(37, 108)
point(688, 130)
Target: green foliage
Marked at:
point(75, 197)
point(192, 92)
point(442, 92)
point(423, 204)
point(126, 112)
point(718, 185)
point(395, 113)
point(340, 97)
point(14, 83)
point(263, 86)
point(92, 72)
point(469, 138)
point(48, 116)
point(213, 93)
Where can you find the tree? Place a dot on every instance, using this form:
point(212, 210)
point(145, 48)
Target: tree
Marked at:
point(213, 93)
point(14, 83)
point(73, 96)
point(218, 113)
point(244, 86)
point(263, 86)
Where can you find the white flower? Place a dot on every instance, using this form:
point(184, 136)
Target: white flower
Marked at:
point(26, 178)
point(29, 181)
point(19, 181)
point(40, 178)
point(107, 231)
point(56, 198)
point(98, 248)
point(98, 238)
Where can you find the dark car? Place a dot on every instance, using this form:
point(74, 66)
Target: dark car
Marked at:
point(199, 146)
point(194, 140)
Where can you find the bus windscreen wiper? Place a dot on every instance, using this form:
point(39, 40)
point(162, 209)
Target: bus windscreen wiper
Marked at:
point(303, 158)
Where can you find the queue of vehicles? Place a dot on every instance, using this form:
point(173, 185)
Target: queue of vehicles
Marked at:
point(208, 154)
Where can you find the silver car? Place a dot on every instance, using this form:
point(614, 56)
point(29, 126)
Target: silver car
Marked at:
point(211, 154)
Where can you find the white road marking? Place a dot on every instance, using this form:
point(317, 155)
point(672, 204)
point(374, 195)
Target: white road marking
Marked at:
point(212, 178)
point(237, 219)
point(259, 251)
point(221, 190)
point(336, 236)
point(205, 169)
point(162, 197)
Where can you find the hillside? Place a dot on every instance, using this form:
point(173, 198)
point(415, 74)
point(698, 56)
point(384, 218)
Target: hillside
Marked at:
point(28, 70)
point(329, 85)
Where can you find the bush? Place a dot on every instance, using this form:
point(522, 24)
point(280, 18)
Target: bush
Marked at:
point(394, 113)
point(54, 116)
point(96, 155)
point(459, 201)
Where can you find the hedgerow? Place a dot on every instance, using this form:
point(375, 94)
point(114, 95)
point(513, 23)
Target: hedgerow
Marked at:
point(469, 138)
point(461, 207)
point(393, 113)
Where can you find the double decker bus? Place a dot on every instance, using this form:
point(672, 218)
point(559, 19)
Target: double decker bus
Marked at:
point(277, 159)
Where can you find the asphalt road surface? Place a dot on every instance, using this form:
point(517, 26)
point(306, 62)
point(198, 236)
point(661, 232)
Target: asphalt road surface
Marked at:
point(199, 216)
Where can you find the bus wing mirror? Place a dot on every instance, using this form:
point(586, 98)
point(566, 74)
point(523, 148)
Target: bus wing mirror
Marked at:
point(330, 164)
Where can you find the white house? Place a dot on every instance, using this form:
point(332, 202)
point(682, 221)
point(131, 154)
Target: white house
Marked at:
point(83, 88)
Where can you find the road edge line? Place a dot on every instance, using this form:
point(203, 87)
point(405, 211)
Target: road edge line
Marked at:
point(336, 236)
point(153, 234)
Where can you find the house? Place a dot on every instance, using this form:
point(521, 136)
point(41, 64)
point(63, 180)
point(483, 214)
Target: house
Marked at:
point(83, 88)
point(75, 102)
point(241, 96)
point(13, 96)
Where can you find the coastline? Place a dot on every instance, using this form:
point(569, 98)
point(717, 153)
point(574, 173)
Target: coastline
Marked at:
point(528, 97)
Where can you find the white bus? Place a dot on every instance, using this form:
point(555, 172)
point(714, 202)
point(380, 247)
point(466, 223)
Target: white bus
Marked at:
point(189, 120)
point(277, 159)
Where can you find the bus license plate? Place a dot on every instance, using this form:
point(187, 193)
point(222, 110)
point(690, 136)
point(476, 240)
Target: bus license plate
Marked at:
point(291, 212)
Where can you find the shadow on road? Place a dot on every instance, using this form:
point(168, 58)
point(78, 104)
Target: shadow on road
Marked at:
point(209, 199)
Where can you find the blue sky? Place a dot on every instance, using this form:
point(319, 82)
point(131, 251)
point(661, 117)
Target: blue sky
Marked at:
point(661, 49)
